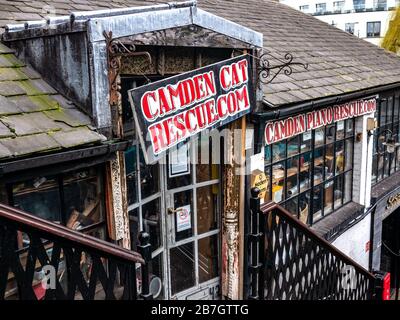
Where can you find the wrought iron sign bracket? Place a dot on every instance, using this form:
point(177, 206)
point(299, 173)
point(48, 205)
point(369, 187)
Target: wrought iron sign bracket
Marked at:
point(117, 49)
point(267, 72)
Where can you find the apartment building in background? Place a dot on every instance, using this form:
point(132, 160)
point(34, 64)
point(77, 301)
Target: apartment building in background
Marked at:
point(366, 19)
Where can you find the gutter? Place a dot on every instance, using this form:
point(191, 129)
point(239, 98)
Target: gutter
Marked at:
point(62, 157)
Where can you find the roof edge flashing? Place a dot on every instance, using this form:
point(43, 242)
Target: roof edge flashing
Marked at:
point(86, 15)
point(132, 21)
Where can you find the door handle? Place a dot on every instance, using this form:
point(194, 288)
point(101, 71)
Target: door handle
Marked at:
point(172, 210)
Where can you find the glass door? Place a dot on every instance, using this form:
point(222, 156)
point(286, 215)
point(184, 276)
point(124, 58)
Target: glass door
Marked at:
point(193, 221)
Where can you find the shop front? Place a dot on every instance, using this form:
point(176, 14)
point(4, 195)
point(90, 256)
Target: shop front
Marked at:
point(175, 82)
point(309, 159)
point(175, 172)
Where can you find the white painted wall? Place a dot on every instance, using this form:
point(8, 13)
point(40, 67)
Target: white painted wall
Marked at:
point(353, 242)
point(359, 18)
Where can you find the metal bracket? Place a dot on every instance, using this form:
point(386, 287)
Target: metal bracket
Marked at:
point(266, 73)
point(115, 51)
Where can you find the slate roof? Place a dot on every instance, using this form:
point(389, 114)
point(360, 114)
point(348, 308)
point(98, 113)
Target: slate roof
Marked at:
point(339, 63)
point(33, 117)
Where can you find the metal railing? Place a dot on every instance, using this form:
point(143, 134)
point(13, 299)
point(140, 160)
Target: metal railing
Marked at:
point(41, 260)
point(289, 261)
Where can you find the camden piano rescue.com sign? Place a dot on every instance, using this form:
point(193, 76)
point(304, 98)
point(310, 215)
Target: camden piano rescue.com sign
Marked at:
point(276, 131)
point(172, 110)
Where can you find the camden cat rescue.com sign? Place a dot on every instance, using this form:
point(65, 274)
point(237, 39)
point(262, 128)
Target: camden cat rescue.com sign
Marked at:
point(172, 110)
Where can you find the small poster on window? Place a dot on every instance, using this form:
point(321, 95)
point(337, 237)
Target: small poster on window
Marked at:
point(183, 219)
point(179, 163)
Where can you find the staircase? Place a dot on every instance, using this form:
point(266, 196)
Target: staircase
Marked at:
point(41, 260)
point(288, 261)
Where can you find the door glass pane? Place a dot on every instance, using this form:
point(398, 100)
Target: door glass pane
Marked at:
point(208, 158)
point(182, 267)
point(208, 258)
point(134, 228)
point(156, 277)
point(151, 214)
point(183, 205)
point(40, 197)
point(178, 180)
point(131, 174)
point(149, 178)
point(207, 205)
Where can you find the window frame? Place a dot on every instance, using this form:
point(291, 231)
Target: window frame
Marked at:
point(59, 177)
point(386, 121)
point(346, 175)
point(374, 34)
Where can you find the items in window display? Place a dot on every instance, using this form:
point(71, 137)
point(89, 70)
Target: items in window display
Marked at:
point(283, 129)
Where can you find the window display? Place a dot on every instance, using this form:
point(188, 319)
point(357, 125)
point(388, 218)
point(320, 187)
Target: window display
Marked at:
point(384, 163)
point(311, 174)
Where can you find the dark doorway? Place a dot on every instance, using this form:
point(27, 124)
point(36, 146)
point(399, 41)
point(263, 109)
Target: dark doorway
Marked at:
point(390, 259)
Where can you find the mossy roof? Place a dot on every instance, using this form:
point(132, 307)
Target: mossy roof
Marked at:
point(34, 118)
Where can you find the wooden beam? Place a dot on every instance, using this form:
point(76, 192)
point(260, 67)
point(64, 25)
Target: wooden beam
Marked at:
point(188, 36)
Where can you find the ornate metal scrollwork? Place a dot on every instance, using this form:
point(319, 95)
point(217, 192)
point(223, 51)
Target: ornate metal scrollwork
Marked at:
point(267, 72)
point(115, 51)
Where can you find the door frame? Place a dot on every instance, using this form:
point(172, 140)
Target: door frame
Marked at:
point(169, 226)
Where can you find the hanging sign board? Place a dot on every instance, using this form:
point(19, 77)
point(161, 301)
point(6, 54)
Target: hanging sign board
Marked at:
point(172, 110)
point(183, 221)
point(283, 129)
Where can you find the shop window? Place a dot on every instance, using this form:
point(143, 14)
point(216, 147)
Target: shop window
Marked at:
point(74, 199)
point(384, 163)
point(311, 174)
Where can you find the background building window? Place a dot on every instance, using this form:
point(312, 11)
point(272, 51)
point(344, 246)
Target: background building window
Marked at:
point(384, 163)
point(338, 6)
point(380, 4)
point(320, 7)
point(311, 174)
point(350, 27)
point(373, 29)
point(359, 5)
point(304, 8)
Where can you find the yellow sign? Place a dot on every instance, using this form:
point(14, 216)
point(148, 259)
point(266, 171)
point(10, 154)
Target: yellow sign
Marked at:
point(259, 180)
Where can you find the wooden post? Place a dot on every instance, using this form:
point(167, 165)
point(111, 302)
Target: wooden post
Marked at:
point(233, 210)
